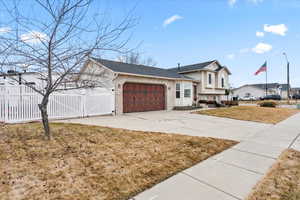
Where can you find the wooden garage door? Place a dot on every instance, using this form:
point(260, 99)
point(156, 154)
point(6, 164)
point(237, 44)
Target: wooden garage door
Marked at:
point(143, 97)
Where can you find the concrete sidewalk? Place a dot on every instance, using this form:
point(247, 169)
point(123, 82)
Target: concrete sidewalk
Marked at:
point(231, 174)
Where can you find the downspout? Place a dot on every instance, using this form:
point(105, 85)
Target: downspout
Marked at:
point(115, 91)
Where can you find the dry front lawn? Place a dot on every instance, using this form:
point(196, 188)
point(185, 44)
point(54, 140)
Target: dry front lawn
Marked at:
point(281, 102)
point(89, 162)
point(252, 113)
point(283, 180)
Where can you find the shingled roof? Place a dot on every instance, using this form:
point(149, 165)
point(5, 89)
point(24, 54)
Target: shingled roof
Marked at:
point(193, 67)
point(140, 69)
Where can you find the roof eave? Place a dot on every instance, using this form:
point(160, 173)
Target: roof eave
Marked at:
point(194, 70)
point(150, 76)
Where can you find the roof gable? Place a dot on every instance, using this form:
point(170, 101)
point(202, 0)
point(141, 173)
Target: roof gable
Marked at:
point(213, 67)
point(224, 68)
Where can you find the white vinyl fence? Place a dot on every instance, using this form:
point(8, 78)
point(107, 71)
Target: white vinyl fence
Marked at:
point(20, 104)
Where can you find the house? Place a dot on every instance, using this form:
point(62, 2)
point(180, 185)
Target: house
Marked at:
point(142, 88)
point(13, 78)
point(295, 91)
point(259, 90)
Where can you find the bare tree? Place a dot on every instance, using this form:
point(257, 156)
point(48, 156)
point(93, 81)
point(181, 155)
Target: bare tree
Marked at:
point(136, 58)
point(57, 44)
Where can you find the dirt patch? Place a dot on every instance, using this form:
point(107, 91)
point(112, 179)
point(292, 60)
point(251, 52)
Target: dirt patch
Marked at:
point(282, 182)
point(91, 162)
point(252, 113)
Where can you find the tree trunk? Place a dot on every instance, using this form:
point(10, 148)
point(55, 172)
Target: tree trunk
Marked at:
point(44, 113)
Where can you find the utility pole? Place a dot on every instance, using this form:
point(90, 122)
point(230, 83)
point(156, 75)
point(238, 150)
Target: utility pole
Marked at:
point(266, 80)
point(288, 77)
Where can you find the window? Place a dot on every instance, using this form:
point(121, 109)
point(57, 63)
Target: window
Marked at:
point(187, 93)
point(223, 84)
point(187, 90)
point(177, 90)
point(209, 79)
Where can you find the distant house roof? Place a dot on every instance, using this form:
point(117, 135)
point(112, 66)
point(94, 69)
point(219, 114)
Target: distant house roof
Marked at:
point(284, 86)
point(140, 69)
point(15, 73)
point(269, 85)
point(296, 89)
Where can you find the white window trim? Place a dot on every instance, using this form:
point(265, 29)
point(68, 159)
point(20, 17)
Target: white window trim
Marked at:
point(223, 84)
point(209, 83)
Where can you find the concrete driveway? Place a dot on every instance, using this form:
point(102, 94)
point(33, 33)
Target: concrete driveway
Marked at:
point(181, 122)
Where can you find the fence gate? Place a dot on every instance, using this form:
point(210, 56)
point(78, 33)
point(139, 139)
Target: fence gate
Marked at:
point(20, 104)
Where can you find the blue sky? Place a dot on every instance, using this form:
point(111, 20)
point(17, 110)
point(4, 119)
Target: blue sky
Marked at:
point(241, 34)
point(226, 30)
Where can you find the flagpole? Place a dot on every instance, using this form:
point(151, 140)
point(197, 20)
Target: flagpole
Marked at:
point(266, 79)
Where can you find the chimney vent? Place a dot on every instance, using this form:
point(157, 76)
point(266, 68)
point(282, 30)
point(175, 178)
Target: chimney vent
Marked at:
point(178, 66)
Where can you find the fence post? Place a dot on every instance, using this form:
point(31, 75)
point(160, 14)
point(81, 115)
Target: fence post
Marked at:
point(6, 106)
point(84, 113)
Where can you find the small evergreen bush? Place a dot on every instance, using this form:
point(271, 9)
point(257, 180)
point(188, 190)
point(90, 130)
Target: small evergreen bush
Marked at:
point(270, 104)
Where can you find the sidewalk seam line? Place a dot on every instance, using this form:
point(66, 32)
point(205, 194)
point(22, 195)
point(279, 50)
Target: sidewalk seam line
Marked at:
point(257, 154)
point(207, 184)
point(234, 165)
point(294, 140)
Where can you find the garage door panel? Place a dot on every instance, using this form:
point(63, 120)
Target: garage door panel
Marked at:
point(143, 97)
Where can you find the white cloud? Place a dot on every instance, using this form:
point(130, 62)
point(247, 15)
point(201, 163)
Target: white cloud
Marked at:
point(172, 19)
point(34, 37)
point(260, 34)
point(279, 29)
point(232, 2)
point(230, 56)
point(5, 30)
point(261, 48)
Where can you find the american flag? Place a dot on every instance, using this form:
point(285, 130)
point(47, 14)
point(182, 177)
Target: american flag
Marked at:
point(263, 68)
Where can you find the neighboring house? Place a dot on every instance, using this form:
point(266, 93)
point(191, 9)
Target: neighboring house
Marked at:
point(295, 91)
point(142, 88)
point(12, 78)
point(259, 90)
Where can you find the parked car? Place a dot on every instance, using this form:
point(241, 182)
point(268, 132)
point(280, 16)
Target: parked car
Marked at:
point(296, 96)
point(271, 97)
